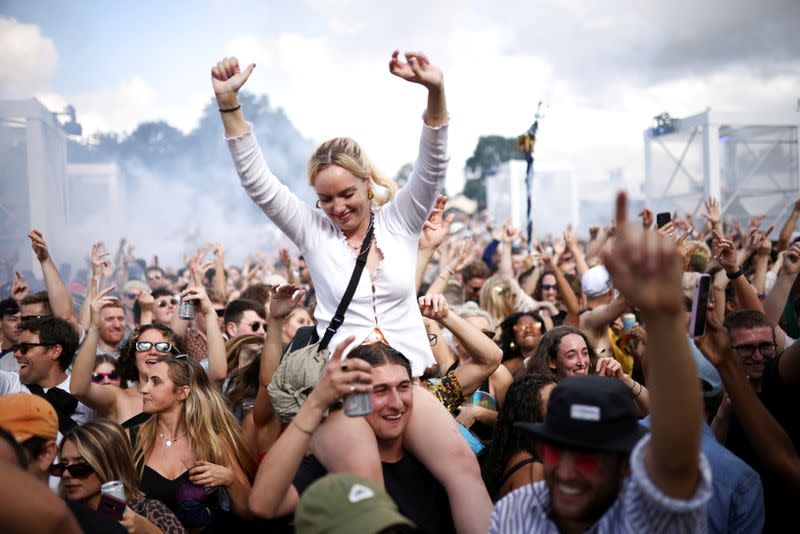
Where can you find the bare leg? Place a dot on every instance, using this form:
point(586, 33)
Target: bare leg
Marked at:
point(434, 439)
point(347, 444)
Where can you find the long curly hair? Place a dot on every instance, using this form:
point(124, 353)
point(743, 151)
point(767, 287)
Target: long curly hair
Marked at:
point(211, 428)
point(523, 403)
point(127, 354)
point(547, 351)
point(508, 341)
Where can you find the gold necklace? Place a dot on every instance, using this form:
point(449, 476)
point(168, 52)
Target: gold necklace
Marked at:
point(169, 441)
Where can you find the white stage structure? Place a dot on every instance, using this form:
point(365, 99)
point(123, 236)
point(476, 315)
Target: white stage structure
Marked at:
point(749, 161)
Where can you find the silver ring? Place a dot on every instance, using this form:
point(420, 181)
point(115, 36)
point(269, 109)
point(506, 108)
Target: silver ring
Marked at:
point(352, 388)
point(344, 365)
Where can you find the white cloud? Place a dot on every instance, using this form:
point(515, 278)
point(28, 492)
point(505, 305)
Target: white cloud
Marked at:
point(28, 61)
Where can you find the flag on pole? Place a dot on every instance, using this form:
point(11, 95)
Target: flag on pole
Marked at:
point(526, 143)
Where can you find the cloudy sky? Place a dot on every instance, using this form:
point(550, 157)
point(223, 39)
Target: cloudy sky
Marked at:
point(603, 68)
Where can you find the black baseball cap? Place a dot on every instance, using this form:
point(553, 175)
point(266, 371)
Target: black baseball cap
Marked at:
point(592, 413)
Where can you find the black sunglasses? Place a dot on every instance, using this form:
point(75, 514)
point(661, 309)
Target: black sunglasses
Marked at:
point(132, 296)
point(23, 348)
point(161, 346)
point(545, 287)
point(28, 318)
point(220, 312)
point(98, 377)
point(257, 325)
point(79, 470)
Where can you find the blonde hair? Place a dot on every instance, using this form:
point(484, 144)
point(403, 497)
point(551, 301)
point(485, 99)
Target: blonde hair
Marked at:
point(347, 154)
point(103, 445)
point(235, 346)
point(494, 298)
point(211, 428)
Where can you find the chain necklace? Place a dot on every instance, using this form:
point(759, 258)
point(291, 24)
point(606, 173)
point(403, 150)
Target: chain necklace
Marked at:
point(169, 441)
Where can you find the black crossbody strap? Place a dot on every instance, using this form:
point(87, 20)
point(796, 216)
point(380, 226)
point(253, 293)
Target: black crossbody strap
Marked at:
point(361, 261)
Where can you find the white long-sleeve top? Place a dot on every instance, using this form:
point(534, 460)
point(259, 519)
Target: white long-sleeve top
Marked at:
point(392, 306)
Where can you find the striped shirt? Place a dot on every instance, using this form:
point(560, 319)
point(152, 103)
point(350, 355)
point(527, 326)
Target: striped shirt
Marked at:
point(640, 507)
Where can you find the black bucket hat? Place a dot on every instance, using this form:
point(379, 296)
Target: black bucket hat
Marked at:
point(592, 413)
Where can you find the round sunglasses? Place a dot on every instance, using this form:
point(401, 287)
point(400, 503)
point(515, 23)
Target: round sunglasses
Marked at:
point(161, 346)
point(98, 377)
point(77, 470)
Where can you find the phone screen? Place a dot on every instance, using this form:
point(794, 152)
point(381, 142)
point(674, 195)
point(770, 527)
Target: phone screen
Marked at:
point(663, 218)
point(702, 290)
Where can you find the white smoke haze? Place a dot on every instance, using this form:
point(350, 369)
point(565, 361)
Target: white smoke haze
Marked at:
point(28, 61)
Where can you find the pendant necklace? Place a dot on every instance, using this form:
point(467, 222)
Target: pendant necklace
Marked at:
point(169, 441)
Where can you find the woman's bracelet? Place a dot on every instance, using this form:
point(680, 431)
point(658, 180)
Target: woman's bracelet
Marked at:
point(303, 430)
point(231, 109)
point(635, 395)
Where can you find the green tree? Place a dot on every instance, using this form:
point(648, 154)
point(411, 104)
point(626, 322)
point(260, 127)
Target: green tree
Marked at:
point(490, 152)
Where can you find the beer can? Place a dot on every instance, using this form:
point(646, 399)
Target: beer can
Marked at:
point(115, 488)
point(186, 309)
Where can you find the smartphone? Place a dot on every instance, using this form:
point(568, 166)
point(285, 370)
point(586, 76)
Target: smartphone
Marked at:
point(111, 506)
point(358, 404)
point(702, 291)
point(663, 218)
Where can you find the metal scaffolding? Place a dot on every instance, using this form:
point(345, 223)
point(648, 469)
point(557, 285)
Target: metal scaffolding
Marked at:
point(749, 161)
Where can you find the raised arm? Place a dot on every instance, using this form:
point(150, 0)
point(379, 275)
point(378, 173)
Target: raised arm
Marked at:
point(101, 398)
point(220, 276)
point(217, 360)
point(283, 299)
point(787, 229)
point(727, 257)
point(485, 355)
point(646, 268)
point(768, 438)
point(60, 300)
point(604, 314)
point(565, 291)
point(273, 494)
point(434, 232)
point(571, 241)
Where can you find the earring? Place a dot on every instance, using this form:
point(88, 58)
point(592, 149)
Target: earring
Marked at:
point(317, 204)
point(370, 194)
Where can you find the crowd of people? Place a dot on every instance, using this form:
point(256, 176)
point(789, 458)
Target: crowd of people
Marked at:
point(451, 383)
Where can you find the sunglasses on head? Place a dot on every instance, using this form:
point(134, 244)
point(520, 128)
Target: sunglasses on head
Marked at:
point(161, 346)
point(78, 470)
point(23, 348)
point(98, 377)
point(163, 303)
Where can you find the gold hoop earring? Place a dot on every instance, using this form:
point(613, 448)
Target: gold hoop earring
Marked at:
point(317, 204)
point(370, 194)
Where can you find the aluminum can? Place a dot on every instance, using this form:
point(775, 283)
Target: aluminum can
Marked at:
point(186, 309)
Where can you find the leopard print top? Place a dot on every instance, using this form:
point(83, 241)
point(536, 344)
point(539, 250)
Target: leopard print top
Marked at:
point(157, 513)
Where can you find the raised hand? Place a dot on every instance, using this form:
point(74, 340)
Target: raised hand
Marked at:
point(755, 239)
point(686, 251)
point(227, 78)
point(99, 301)
point(437, 226)
point(594, 231)
point(645, 266)
point(99, 260)
point(433, 307)
point(286, 259)
point(416, 69)
point(510, 233)
point(713, 212)
point(791, 260)
point(725, 253)
point(146, 301)
point(647, 218)
point(283, 299)
point(39, 245)
point(19, 289)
